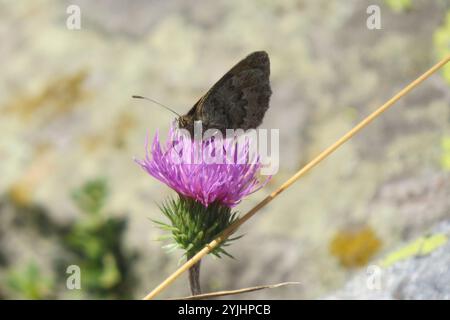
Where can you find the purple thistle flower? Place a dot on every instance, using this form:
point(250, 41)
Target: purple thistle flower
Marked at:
point(212, 170)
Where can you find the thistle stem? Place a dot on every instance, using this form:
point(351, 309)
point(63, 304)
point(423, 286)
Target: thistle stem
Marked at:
point(194, 278)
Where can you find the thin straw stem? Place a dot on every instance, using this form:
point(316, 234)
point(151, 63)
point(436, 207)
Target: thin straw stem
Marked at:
point(233, 227)
point(234, 292)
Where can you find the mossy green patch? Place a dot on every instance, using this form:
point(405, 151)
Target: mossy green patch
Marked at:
point(441, 39)
point(420, 247)
point(445, 156)
point(399, 5)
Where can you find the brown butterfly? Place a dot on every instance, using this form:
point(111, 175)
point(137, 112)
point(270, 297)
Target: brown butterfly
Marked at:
point(238, 100)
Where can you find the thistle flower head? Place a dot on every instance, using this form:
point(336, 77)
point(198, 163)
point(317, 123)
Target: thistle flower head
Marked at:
point(209, 171)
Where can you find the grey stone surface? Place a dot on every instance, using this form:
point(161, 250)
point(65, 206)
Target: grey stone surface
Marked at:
point(421, 276)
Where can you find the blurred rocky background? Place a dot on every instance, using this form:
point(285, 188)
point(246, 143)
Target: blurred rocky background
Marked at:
point(70, 193)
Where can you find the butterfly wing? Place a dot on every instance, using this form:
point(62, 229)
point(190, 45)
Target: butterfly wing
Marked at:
point(239, 99)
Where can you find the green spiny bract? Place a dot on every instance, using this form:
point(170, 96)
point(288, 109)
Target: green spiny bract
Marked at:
point(192, 226)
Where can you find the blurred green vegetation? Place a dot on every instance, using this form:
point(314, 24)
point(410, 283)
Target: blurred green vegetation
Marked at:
point(94, 242)
point(91, 197)
point(29, 283)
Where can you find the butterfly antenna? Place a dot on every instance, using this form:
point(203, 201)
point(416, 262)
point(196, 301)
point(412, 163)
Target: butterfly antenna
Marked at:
point(154, 101)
